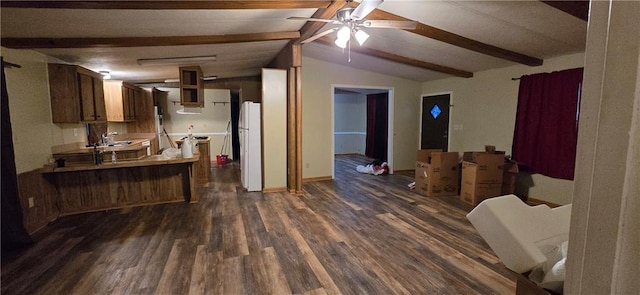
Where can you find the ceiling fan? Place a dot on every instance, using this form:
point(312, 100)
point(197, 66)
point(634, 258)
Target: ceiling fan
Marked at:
point(351, 20)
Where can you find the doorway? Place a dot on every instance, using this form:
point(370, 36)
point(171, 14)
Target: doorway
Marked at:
point(377, 126)
point(235, 116)
point(352, 125)
point(434, 125)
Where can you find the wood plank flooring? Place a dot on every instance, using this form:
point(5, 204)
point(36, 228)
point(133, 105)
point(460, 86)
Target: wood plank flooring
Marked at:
point(358, 234)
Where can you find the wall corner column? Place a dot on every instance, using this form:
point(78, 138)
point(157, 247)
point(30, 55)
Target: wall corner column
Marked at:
point(604, 238)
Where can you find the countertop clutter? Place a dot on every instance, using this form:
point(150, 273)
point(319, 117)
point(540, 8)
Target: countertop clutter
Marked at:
point(75, 154)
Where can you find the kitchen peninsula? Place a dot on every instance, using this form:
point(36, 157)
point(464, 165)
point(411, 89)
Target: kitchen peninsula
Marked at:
point(151, 180)
point(204, 165)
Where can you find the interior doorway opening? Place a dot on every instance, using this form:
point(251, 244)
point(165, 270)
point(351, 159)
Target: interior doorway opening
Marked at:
point(362, 122)
point(235, 116)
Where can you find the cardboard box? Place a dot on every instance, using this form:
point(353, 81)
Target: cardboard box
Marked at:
point(482, 175)
point(436, 173)
point(509, 177)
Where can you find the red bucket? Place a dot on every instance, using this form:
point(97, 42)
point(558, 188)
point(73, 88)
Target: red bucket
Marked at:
point(222, 159)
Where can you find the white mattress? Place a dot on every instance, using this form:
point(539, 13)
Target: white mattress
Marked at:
point(520, 234)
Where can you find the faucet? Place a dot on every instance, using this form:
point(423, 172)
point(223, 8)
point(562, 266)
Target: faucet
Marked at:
point(107, 138)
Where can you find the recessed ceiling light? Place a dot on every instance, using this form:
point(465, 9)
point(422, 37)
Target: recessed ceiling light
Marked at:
point(176, 60)
point(208, 78)
point(105, 75)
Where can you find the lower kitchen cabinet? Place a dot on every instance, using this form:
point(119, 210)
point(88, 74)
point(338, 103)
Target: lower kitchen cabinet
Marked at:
point(204, 164)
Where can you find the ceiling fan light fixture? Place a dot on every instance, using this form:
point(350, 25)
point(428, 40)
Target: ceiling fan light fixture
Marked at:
point(344, 34)
point(361, 36)
point(342, 43)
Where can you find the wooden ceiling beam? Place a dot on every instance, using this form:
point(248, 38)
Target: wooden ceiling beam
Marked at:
point(310, 28)
point(402, 59)
point(163, 5)
point(33, 43)
point(291, 54)
point(457, 40)
point(579, 9)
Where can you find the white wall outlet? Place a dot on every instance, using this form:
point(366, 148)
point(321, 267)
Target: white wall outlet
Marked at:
point(75, 131)
point(306, 165)
point(31, 203)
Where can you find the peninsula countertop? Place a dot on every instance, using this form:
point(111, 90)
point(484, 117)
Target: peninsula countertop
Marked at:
point(136, 144)
point(155, 179)
point(153, 160)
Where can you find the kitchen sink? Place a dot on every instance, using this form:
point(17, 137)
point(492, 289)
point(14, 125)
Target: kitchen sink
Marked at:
point(114, 143)
point(119, 143)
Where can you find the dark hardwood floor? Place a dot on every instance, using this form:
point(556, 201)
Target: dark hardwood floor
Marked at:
point(358, 234)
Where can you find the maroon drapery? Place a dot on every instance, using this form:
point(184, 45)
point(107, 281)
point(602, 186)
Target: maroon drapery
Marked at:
point(377, 122)
point(546, 130)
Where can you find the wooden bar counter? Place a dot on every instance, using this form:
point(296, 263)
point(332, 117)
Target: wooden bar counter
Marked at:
point(152, 180)
point(204, 165)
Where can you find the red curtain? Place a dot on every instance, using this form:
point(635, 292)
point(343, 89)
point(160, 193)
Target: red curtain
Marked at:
point(546, 131)
point(377, 123)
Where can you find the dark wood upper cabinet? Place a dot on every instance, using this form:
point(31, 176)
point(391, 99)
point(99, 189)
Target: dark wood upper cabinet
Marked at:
point(76, 94)
point(191, 87)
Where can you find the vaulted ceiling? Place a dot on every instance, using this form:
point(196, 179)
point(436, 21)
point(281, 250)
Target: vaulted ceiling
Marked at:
point(453, 38)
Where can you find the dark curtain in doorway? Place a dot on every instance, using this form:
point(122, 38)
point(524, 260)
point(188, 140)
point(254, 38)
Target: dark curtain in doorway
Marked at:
point(377, 125)
point(546, 131)
point(14, 236)
point(235, 117)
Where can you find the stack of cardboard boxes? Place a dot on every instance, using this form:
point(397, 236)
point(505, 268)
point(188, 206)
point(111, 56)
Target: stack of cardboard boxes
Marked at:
point(437, 173)
point(484, 175)
point(509, 177)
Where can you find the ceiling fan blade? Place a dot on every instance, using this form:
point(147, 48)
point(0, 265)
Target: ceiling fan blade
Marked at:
point(311, 19)
point(391, 24)
point(319, 35)
point(365, 7)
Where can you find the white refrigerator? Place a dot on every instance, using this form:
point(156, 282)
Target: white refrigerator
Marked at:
point(159, 128)
point(250, 146)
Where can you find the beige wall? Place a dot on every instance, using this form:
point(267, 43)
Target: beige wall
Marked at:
point(317, 106)
point(274, 129)
point(485, 107)
point(350, 123)
point(211, 122)
point(30, 110)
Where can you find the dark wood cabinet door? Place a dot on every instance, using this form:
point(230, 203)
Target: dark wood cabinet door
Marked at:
point(85, 83)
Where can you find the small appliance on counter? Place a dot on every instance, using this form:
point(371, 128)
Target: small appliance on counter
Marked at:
point(186, 148)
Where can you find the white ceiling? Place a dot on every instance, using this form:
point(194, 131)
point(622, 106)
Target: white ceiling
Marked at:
point(526, 27)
